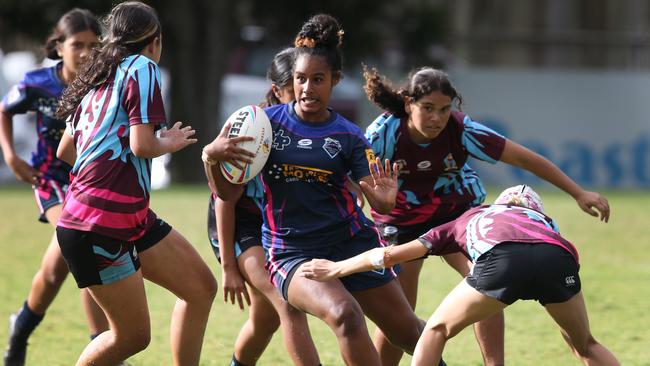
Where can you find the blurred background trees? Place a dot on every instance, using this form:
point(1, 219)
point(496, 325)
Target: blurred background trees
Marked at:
point(207, 39)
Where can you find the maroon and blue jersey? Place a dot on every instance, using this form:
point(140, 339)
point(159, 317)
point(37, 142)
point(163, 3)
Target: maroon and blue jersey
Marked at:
point(435, 181)
point(307, 205)
point(480, 229)
point(110, 192)
point(39, 91)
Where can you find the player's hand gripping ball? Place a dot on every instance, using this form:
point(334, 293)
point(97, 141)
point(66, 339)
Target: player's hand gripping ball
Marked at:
point(249, 121)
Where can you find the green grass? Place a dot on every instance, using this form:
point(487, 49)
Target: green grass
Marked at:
point(615, 276)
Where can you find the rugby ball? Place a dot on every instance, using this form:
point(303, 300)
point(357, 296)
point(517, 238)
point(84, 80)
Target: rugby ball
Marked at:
point(249, 121)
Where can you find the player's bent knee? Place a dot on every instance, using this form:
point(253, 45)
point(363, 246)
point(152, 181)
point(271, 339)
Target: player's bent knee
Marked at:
point(583, 347)
point(346, 318)
point(135, 340)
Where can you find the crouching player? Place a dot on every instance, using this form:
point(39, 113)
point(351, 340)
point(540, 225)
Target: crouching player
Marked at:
point(517, 253)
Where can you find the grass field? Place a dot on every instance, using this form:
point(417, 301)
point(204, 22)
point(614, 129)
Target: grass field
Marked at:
point(615, 274)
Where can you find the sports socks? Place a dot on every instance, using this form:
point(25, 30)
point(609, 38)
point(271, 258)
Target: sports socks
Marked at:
point(235, 362)
point(26, 322)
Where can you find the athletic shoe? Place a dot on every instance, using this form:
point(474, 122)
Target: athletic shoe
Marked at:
point(15, 353)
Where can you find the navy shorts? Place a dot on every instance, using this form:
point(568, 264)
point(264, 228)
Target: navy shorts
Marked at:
point(284, 264)
point(95, 259)
point(49, 193)
point(523, 271)
point(248, 231)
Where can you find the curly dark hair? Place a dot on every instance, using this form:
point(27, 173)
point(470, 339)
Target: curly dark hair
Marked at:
point(419, 83)
point(322, 36)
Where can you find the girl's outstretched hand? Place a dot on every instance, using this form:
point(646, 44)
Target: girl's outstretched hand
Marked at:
point(381, 190)
point(177, 137)
point(594, 204)
point(225, 149)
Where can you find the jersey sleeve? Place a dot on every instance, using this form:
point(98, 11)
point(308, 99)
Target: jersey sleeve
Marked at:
point(482, 142)
point(440, 240)
point(17, 99)
point(381, 135)
point(360, 157)
point(142, 96)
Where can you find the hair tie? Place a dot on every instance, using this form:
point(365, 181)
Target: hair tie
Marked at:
point(307, 42)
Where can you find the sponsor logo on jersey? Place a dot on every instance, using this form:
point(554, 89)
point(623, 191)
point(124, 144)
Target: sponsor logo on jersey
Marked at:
point(570, 281)
point(266, 145)
point(299, 173)
point(424, 165)
point(48, 106)
point(332, 147)
point(280, 140)
point(450, 163)
point(370, 155)
point(304, 144)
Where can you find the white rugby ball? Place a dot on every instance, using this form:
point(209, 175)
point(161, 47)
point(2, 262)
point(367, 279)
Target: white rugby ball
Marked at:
point(249, 121)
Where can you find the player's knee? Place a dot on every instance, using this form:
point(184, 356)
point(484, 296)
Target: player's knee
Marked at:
point(439, 329)
point(134, 340)
point(583, 347)
point(202, 290)
point(346, 318)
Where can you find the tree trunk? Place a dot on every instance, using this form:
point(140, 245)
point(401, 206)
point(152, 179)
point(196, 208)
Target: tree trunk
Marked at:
point(197, 37)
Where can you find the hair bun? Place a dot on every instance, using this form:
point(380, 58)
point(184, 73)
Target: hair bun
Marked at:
point(321, 30)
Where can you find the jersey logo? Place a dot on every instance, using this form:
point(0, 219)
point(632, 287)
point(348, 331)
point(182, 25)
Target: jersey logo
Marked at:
point(424, 165)
point(332, 147)
point(570, 281)
point(48, 106)
point(370, 156)
point(401, 166)
point(450, 163)
point(304, 144)
point(280, 140)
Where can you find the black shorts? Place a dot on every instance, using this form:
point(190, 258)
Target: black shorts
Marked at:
point(522, 271)
point(95, 259)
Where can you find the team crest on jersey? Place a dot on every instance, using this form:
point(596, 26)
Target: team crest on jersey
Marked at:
point(48, 106)
point(370, 155)
point(401, 166)
point(332, 147)
point(280, 140)
point(450, 163)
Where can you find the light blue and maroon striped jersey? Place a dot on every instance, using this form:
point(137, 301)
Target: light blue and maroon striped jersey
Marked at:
point(39, 91)
point(434, 181)
point(481, 228)
point(306, 202)
point(110, 192)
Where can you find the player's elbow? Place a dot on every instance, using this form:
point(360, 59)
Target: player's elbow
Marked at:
point(143, 151)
